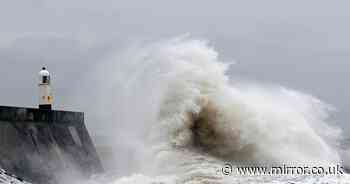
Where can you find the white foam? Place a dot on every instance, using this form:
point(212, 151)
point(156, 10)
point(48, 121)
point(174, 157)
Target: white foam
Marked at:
point(184, 85)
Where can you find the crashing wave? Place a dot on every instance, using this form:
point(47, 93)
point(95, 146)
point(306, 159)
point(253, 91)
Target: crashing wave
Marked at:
point(7, 178)
point(203, 119)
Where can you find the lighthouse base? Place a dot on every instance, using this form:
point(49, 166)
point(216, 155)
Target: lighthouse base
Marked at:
point(45, 107)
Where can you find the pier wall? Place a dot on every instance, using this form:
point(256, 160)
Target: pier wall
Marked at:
point(46, 146)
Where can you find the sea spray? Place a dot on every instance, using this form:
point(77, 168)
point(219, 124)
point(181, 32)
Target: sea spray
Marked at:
point(192, 118)
point(261, 124)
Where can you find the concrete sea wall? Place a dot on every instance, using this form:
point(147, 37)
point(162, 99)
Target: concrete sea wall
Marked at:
point(46, 146)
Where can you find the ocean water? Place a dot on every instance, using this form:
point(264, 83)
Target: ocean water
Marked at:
point(7, 178)
point(199, 118)
point(194, 118)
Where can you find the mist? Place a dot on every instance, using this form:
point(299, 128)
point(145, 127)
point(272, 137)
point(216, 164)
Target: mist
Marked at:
point(172, 101)
point(86, 45)
point(302, 45)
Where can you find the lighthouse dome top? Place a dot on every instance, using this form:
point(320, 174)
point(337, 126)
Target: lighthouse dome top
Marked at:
point(44, 77)
point(44, 72)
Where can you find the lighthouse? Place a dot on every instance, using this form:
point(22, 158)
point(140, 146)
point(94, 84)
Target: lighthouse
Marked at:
point(45, 96)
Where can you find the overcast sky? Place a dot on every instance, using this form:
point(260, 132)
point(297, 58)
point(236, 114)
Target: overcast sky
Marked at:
point(304, 45)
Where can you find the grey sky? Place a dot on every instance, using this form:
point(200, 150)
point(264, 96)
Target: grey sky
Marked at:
point(300, 44)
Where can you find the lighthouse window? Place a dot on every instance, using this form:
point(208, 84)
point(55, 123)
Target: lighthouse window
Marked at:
point(46, 79)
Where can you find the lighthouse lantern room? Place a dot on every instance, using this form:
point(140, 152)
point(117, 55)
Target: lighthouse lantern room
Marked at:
point(45, 96)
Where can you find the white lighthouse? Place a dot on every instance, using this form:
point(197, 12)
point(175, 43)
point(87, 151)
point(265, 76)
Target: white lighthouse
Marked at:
point(45, 96)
